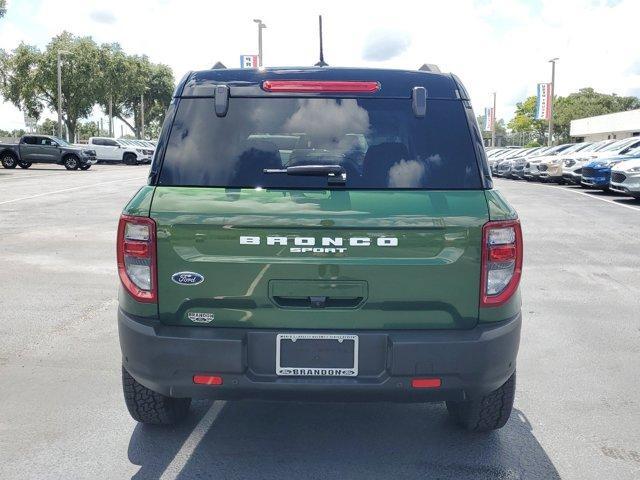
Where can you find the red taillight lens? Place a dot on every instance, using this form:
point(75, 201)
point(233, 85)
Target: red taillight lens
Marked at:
point(502, 253)
point(501, 261)
point(207, 379)
point(304, 86)
point(136, 252)
point(136, 249)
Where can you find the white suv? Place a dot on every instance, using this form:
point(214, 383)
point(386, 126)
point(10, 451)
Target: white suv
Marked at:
point(112, 150)
point(625, 178)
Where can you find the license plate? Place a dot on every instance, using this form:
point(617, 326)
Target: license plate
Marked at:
point(316, 355)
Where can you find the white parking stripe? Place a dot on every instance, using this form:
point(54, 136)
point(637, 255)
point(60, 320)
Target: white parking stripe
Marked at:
point(558, 187)
point(24, 176)
point(71, 189)
point(189, 446)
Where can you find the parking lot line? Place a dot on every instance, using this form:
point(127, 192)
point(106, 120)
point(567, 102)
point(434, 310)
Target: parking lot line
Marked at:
point(70, 189)
point(174, 469)
point(558, 187)
point(22, 176)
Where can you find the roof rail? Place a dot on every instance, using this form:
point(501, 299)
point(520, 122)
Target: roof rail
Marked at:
point(218, 66)
point(429, 67)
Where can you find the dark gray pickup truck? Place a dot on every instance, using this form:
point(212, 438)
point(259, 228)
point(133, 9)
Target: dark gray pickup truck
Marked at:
point(45, 149)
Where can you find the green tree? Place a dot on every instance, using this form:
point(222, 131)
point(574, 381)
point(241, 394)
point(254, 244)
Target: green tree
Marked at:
point(31, 79)
point(587, 103)
point(48, 127)
point(524, 119)
point(3, 8)
point(125, 79)
point(88, 129)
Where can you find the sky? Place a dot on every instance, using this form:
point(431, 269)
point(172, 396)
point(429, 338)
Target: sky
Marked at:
point(492, 45)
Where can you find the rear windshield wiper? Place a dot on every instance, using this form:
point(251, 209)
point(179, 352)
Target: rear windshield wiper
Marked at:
point(334, 173)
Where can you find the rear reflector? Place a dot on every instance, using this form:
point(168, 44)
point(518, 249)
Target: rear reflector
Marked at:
point(303, 86)
point(426, 383)
point(207, 379)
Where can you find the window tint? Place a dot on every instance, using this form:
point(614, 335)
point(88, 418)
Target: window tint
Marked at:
point(30, 140)
point(45, 141)
point(97, 141)
point(379, 143)
point(110, 143)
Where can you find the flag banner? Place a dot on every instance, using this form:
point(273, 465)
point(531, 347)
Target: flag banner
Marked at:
point(488, 119)
point(543, 103)
point(248, 61)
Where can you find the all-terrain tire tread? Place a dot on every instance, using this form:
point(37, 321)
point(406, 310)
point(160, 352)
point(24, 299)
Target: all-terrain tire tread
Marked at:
point(147, 406)
point(486, 413)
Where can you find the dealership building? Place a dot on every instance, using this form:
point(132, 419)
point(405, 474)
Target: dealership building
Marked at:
point(613, 125)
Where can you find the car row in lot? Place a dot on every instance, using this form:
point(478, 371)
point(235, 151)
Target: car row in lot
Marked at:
point(32, 149)
point(606, 165)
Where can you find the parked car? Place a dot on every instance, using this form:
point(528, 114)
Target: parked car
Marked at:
point(504, 159)
point(112, 150)
point(625, 178)
point(531, 171)
point(597, 173)
point(551, 167)
point(572, 168)
point(572, 164)
point(519, 163)
point(46, 149)
point(243, 276)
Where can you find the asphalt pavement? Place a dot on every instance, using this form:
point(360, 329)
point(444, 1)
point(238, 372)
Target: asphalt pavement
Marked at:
point(62, 415)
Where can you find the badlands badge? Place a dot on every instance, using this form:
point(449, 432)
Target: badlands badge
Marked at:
point(200, 317)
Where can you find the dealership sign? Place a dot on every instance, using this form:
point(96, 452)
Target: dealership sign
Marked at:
point(543, 104)
point(489, 118)
point(248, 61)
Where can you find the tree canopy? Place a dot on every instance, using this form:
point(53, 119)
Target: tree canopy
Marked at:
point(91, 74)
point(584, 103)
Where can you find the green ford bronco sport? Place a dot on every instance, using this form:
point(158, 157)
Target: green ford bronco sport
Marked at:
point(320, 234)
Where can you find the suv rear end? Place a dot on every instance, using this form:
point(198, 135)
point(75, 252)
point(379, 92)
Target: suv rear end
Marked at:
point(320, 234)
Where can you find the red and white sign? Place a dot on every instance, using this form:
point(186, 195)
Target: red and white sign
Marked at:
point(249, 61)
point(543, 103)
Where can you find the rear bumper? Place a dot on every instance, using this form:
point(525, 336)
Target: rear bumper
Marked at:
point(469, 362)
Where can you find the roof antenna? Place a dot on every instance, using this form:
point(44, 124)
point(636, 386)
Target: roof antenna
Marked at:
point(321, 63)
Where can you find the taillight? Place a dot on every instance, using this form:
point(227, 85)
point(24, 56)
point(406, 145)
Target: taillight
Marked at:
point(331, 86)
point(501, 261)
point(137, 257)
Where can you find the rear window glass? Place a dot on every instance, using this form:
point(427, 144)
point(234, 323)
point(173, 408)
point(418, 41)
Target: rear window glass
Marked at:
point(379, 143)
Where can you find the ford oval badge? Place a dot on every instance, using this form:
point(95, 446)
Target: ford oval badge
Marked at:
point(187, 278)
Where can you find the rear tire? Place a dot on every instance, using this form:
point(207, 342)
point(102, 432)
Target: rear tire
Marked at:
point(486, 413)
point(71, 162)
point(8, 161)
point(147, 406)
point(24, 164)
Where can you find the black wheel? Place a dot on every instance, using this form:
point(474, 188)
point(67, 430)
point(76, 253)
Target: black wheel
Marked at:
point(24, 164)
point(86, 166)
point(147, 406)
point(71, 162)
point(485, 413)
point(9, 161)
point(129, 159)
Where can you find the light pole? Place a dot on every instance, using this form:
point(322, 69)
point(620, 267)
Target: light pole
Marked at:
point(142, 116)
point(553, 91)
point(260, 27)
point(60, 53)
point(493, 122)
